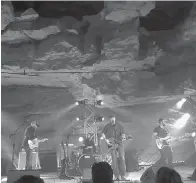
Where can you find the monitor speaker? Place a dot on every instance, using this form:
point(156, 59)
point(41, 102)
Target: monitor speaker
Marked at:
point(14, 175)
point(87, 175)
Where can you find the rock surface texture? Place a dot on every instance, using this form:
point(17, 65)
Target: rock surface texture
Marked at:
point(42, 41)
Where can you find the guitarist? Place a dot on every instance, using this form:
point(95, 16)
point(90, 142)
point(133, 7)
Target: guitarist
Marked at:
point(29, 135)
point(162, 133)
point(115, 130)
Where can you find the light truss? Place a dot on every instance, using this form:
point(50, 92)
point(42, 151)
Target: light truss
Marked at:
point(90, 126)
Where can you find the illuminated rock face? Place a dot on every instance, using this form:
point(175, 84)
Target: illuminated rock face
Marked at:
point(45, 39)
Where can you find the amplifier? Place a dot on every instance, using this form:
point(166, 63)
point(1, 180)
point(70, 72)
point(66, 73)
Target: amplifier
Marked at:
point(86, 175)
point(48, 161)
point(34, 160)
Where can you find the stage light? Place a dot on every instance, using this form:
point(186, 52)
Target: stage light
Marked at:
point(193, 134)
point(180, 103)
point(99, 118)
point(80, 139)
point(182, 121)
point(77, 119)
point(81, 102)
point(100, 102)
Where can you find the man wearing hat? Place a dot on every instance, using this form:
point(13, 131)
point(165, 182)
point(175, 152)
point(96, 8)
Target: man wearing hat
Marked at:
point(114, 130)
point(29, 135)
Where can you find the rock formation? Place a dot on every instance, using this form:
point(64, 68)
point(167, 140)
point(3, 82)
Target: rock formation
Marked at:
point(40, 39)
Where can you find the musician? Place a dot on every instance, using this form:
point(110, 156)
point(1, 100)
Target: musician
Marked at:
point(161, 132)
point(29, 135)
point(115, 130)
point(89, 143)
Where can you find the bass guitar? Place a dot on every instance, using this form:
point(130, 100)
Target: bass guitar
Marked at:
point(35, 143)
point(163, 142)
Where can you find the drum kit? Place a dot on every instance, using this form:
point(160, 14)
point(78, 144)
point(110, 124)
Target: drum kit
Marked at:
point(83, 157)
point(80, 158)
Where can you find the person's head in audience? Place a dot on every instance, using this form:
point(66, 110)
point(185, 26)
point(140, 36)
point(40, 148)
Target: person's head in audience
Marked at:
point(167, 175)
point(102, 173)
point(29, 179)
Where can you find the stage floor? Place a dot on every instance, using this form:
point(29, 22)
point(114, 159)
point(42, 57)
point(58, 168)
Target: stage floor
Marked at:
point(52, 177)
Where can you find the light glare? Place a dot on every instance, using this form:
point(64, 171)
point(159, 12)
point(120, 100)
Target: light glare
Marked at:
point(180, 103)
point(182, 121)
point(80, 139)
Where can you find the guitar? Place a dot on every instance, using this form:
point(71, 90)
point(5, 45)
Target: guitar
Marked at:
point(35, 142)
point(67, 166)
point(113, 143)
point(166, 141)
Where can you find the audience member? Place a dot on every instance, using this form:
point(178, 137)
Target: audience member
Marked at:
point(102, 173)
point(29, 179)
point(167, 175)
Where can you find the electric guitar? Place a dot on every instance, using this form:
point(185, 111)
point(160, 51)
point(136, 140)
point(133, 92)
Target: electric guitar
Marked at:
point(67, 167)
point(113, 143)
point(166, 141)
point(35, 142)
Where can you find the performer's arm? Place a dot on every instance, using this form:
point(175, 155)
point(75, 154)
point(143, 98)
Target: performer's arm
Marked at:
point(168, 134)
point(123, 136)
point(104, 132)
point(155, 135)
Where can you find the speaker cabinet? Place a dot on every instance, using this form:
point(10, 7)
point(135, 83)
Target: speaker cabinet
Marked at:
point(87, 175)
point(14, 175)
point(131, 161)
point(48, 158)
point(22, 160)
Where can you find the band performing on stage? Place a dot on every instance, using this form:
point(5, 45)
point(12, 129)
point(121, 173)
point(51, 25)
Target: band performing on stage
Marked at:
point(78, 158)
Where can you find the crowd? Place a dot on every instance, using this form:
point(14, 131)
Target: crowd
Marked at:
point(103, 173)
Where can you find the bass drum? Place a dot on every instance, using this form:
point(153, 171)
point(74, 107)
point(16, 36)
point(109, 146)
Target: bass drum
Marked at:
point(85, 162)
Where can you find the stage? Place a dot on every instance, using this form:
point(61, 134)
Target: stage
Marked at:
point(52, 177)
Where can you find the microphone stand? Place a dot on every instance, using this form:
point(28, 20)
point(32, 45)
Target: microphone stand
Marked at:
point(69, 136)
point(67, 140)
point(13, 144)
point(67, 146)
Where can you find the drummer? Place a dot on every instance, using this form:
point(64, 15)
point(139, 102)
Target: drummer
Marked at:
point(89, 146)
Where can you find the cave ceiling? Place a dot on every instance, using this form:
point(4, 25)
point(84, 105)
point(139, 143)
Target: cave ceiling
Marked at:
point(125, 52)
